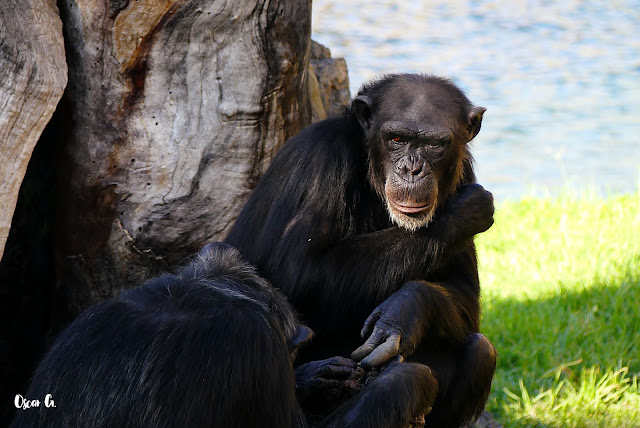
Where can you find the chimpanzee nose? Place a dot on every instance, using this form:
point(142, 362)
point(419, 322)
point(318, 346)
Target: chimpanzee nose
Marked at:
point(412, 167)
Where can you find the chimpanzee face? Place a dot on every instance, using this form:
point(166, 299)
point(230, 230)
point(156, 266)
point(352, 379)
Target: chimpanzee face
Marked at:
point(417, 133)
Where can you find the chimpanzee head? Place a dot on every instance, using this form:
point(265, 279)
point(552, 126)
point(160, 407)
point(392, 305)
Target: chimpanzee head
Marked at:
point(416, 130)
point(226, 271)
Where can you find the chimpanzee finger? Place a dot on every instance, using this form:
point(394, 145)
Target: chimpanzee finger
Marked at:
point(342, 361)
point(382, 353)
point(335, 372)
point(371, 320)
point(372, 342)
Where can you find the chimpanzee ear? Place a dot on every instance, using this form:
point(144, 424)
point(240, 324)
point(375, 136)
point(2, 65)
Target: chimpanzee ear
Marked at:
point(362, 107)
point(474, 122)
point(301, 336)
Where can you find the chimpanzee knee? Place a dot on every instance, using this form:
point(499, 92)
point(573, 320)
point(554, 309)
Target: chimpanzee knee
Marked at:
point(481, 360)
point(482, 353)
point(467, 392)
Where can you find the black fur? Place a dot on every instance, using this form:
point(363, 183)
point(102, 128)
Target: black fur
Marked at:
point(199, 348)
point(207, 347)
point(322, 227)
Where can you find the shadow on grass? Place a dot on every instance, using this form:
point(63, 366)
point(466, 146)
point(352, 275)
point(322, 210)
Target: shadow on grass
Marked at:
point(555, 338)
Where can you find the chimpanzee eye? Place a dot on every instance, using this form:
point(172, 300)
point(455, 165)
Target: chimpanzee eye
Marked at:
point(439, 142)
point(396, 139)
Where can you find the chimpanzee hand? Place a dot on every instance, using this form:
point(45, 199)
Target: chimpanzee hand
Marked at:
point(469, 212)
point(400, 397)
point(395, 327)
point(337, 377)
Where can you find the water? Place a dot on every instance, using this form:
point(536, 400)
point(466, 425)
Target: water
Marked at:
point(560, 80)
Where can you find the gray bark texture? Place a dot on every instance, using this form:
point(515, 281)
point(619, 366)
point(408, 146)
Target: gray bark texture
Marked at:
point(176, 107)
point(34, 75)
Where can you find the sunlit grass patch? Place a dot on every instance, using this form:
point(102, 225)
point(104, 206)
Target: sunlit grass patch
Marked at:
point(561, 287)
point(588, 399)
point(537, 244)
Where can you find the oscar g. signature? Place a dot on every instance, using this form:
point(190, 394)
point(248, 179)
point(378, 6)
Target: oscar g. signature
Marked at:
point(24, 403)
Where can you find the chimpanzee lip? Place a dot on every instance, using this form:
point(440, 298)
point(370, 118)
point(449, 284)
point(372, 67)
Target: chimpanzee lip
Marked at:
point(409, 208)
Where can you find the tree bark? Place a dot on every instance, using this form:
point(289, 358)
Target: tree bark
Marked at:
point(175, 109)
point(34, 75)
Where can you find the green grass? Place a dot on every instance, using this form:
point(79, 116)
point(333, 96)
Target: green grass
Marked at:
point(561, 296)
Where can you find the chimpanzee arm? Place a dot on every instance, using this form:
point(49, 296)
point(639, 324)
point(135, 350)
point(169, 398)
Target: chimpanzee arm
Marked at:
point(447, 310)
point(376, 263)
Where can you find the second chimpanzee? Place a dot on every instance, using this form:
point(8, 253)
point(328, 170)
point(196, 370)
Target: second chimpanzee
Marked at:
point(365, 222)
point(207, 347)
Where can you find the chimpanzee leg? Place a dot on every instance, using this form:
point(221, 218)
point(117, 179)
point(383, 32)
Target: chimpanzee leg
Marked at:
point(465, 385)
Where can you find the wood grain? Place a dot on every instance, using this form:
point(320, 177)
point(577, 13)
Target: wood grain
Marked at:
point(176, 109)
point(34, 75)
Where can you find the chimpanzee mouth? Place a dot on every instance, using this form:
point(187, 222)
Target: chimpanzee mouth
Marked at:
point(410, 208)
point(410, 216)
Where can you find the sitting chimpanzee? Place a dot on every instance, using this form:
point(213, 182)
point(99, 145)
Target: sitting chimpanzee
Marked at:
point(208, 347)
point(365, 222)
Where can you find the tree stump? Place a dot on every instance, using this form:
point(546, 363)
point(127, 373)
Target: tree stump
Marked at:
point(175, 108)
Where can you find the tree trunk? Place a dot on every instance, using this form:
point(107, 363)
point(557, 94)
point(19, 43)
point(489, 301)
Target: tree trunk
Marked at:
point(34, 75)
point(175, 109)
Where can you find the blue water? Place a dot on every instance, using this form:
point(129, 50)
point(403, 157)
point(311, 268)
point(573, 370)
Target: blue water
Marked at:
point(560, 80)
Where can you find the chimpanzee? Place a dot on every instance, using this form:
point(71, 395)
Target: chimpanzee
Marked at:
point(207, 347)
point(366, 223)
